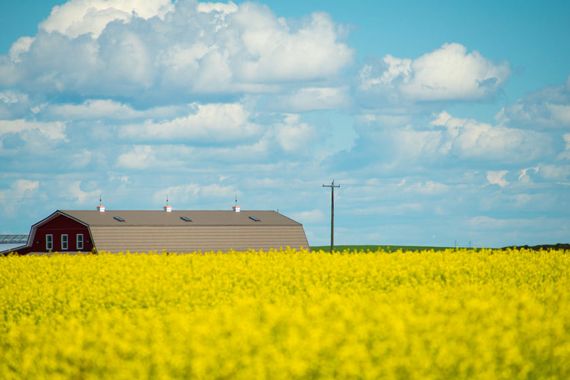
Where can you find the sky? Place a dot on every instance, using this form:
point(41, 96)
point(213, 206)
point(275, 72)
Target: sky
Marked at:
point(443, 122)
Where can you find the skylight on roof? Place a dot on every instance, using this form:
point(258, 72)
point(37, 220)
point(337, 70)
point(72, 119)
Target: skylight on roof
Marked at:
point(119, 219)
point(255, 219)
point(186, 218)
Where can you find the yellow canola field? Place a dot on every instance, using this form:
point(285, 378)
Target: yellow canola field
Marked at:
point(287, 315)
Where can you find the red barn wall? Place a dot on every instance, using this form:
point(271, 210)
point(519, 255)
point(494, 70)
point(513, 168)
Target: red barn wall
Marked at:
point(57, 226)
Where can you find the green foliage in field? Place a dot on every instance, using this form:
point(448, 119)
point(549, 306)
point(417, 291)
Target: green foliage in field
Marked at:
point(287, 314)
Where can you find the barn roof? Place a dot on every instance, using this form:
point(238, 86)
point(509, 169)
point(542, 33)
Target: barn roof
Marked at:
point(183, 218)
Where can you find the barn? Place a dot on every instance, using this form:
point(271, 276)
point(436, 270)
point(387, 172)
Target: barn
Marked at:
point(162, 231)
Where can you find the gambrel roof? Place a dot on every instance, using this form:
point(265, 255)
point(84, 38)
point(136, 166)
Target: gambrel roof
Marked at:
point(185, 218)
point(190, 230)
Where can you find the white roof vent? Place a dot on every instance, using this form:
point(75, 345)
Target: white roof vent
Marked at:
point(100, 208)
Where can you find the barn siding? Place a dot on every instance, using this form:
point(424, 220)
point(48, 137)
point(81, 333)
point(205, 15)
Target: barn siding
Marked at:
point(204, 238)
point(57, 226)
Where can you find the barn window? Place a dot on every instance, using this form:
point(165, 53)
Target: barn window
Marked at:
point(254, 219)
point(79, 242)
point(64, 242)
point(49, 242)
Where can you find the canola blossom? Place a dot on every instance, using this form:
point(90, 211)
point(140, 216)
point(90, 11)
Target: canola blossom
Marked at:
point(454, 314)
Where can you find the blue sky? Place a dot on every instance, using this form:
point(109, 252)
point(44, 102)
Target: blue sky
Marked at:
point(442, 122)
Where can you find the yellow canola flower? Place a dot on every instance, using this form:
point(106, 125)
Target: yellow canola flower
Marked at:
point(286, 314)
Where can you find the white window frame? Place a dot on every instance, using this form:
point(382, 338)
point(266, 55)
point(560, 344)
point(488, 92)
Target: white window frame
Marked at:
point(64, 239)
point(49, 242)
point(79, 242)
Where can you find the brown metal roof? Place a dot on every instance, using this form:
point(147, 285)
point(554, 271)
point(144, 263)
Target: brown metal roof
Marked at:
point(155, 218)
point(200, 238)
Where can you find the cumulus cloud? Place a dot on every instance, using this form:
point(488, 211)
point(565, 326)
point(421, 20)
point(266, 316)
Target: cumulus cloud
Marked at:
point(34, 135)
point(222, 8)
point(21, 46)
point(445, 140)
point(468, 138)
point(206, 123)
point(294, 135)
point(18, 191)
point(497, 177)
point(181, 157)
point(547, 108)
point(447, 73)
point(152, 49)
point(138, 157)
point(77, 17)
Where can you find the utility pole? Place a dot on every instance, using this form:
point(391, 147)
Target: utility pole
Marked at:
point(332, 187)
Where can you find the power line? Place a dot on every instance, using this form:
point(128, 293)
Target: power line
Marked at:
point(332, 186)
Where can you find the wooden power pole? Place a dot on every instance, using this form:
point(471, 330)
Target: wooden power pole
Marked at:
point(332, 186)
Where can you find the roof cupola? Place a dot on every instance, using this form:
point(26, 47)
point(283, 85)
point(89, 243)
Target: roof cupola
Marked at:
point(101, 207)
point(167, 207)
point(236, 207)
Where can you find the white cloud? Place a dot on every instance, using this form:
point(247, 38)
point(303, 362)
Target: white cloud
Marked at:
point(107, 109)
point(555, 172)
point(77, 17)
point(79, 195)
point(547, 108)
point(222, 8)
point(405, 144)
point(36, 135)
point(51, 131)
point(188, 193)
point(11, 198)
point(11, 97)
point(312, 98)
point(497, 177)
point(81, 158)
point(278, 53)
point(470, 138)
point(155, 49)
point(139, 157)
point(294, 135)
point(309, 216)
point(92, 109)
point(397, 120)
point(21, 46)
point(560, 113)
point(427, 187)
point(13, 104)
point(207, 123)
point(448, 73)
point(524, 174)
point(180, 157)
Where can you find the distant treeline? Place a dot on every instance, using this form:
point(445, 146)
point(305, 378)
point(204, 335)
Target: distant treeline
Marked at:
point(564, 246)
point(391, 248)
